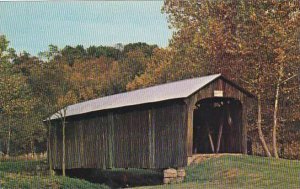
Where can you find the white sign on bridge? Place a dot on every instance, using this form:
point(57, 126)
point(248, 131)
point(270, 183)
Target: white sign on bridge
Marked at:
point(218, 93)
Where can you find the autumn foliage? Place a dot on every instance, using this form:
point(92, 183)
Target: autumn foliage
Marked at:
point(254, 43)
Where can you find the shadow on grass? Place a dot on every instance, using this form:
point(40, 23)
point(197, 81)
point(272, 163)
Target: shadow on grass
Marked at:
point(119, 178)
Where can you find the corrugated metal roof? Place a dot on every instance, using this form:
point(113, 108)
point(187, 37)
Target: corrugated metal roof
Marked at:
point(168, 91)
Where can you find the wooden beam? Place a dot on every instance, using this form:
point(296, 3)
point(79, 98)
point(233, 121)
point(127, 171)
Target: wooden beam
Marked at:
point(55, 151)
point(151, 141)
point(64, 143)
point(190, 129)
point(81, 142)
point(224, 112)
point(49, 147)
point(219, 136)
point(244, 126)
point(190, 106)
point(111, 141)
point(211, 141)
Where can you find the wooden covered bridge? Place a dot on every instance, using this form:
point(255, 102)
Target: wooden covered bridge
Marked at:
point(154, 127)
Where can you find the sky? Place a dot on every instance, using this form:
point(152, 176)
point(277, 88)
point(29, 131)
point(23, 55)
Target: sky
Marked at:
point(32, 26)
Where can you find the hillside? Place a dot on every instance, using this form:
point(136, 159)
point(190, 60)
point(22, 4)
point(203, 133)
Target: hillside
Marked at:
point(241, 172)
point(219, 172)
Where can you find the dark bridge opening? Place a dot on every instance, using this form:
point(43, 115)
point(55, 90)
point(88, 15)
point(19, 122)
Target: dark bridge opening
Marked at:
point(217, 126)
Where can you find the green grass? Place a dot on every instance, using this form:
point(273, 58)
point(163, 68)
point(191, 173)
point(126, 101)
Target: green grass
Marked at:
point(29, 174)
point(218, 173)
point(27, 167)
point(10, 180)
point(241, 172)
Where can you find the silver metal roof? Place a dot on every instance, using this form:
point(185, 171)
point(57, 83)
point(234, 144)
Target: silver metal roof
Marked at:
point(168, 91)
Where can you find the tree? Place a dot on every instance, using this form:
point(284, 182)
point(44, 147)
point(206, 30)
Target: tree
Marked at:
point(65, 97)
point(143, 47)
point(63, 101)
point(51, 83)
point(237, 37)
point(109, 52)
point(43, 80)
point(14, 93)
point(17, 102)
point(53, 53)
point(159, 69)
point(15, 98)
point(3, 46)
point(287, 56)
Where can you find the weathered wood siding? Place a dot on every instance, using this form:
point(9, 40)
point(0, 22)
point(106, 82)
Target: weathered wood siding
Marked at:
point(146, 136)
point(156, 135)
point(131, 138)
point(170, 136)
point(230, 91)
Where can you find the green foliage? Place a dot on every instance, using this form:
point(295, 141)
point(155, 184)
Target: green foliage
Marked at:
point(16, 104)
point(3, 46)
point(16, 166)
point(70, 54)
point(109, 52)
point(143, 47)
point(51, 54)
point(31, 89)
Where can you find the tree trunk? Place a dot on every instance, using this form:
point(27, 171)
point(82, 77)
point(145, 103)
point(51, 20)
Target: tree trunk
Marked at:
point(32, 147)
point(259, 127)
point(49, 152)
point(64, 143)
point(8, 140)
point(275, 114)
point(275, 124)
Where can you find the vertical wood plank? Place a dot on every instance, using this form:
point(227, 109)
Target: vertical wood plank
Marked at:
point(190, 117)
point(244, 126)
point(81, 161)
point(151, 139)
point(111, 140)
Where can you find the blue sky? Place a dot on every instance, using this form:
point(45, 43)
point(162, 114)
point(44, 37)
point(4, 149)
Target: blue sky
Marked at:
point(32, 26)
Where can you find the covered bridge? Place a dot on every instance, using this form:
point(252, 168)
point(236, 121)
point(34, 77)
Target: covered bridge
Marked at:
point(154, 127)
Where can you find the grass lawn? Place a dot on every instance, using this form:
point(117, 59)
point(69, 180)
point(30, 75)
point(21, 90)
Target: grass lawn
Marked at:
point(241, 172)
point(28, 174)
point(223, 172)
